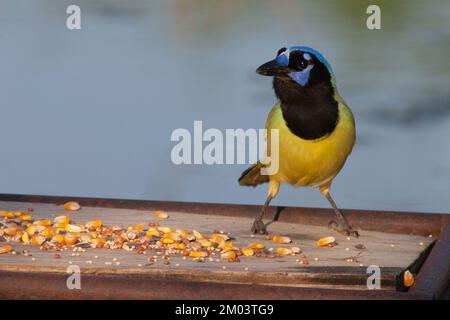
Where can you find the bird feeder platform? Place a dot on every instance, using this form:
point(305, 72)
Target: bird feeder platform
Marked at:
point(394, 242)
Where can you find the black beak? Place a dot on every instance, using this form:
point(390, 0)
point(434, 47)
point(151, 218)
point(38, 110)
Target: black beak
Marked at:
point(273, 68)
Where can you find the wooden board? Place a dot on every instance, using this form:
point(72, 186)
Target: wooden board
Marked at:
point(328, 267)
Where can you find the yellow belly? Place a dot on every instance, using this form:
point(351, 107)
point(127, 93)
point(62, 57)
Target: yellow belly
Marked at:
point(311, 162)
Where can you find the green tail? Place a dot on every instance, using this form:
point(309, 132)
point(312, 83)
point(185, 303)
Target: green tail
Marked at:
point(252, 176)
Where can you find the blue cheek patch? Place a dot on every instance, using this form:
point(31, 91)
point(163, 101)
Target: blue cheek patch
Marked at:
point(301, 77)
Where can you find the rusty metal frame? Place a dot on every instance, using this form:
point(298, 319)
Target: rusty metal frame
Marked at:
point(15, 285)
point(432, 281)
point(434, 275)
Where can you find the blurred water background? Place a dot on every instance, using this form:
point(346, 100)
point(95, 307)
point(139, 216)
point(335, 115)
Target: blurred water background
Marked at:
point(91, 112)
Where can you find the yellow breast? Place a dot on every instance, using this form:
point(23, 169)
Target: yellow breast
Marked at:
point(312, 162)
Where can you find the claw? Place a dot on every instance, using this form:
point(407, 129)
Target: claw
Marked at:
point(259, 227)
point(343, 228)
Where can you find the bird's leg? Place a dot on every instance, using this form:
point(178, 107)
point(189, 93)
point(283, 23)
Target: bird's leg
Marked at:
point(276, 216)
point(258, 224)
point(340, 224)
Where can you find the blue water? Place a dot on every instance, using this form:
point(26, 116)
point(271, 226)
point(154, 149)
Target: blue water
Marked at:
point(91, 112)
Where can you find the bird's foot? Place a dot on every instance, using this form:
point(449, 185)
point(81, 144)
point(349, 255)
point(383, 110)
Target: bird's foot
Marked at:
point(343, 228)
point(259, 227)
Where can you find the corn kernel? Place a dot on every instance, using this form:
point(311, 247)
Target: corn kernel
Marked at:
point(93, 224)
point(327, 241)
point(6, 214)
point(59, 238)
point(18, 213)
point(73, 228)
point(182, 233)
point(139, 227)
point(70, 239)
point(25, 238)
point(284, 251)
point(47, 232)
point(219, 238)
point(281, 239)
point(197, 234)
point(255, 245)
point(44, 223)
point(248, 252)
point(61, 220)
point(32, 229)
point(148, 236)
point(178, 246)
point(165, 229)
point(173, 236)
point(206, 243)
point(5, 249)
point(227, 246)
point(10, 231)
point(37, 240)
point(152, 232)
point(161, 214)
point(26, 217)
point(197, 254)
point(98, 242)
point(72, 206)
point(408, 279)
point(228, 255)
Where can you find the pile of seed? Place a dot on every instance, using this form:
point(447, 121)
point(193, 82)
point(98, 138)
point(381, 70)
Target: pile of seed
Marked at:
point(63, 234)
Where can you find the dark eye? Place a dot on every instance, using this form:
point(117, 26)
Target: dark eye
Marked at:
point(303, 64)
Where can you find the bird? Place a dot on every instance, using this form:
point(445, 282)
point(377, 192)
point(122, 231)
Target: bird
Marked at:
point(316, 130)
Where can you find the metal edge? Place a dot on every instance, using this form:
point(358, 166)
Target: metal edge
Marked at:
point(386, 221)
point(414, 267)
point(335, 278)
point(434, 276)
point(100, 287)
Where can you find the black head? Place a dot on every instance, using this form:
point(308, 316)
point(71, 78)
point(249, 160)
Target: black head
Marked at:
point(304, 83)
point(303, 65)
